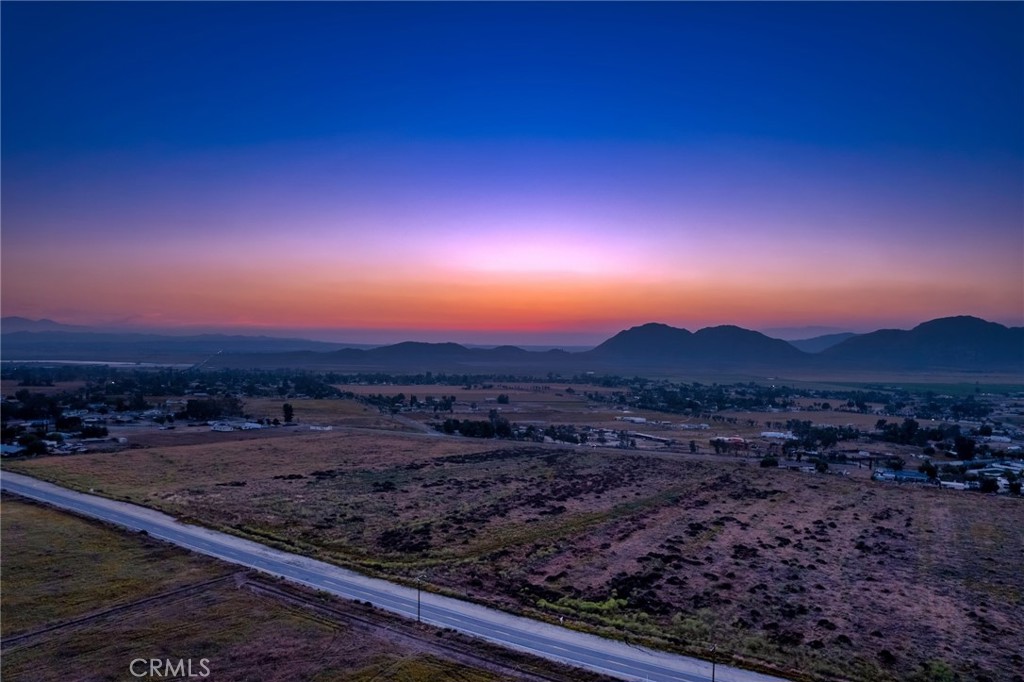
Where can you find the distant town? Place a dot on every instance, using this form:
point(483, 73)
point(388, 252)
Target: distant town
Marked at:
point(969, 441)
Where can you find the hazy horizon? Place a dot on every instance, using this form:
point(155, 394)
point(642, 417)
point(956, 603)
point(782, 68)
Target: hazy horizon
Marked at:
point(555, 339)
point(533, 174)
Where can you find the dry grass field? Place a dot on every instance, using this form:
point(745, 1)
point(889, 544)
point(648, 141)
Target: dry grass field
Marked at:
point(10, 387)
point(57, 567)
point(824, 577)
point(64, 572)
point(325, 413)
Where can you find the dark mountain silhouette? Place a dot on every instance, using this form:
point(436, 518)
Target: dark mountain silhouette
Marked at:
point(817, 344)
point(959, 343)
point(420, 356)
point(733, 344)
point(652, 340)
point(12, 324)
point(651, 344)
point(956, 344)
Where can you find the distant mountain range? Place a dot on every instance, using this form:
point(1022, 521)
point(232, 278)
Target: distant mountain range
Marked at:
point(657, 344)
point(947, 343)
point(134, 347)
point(820, 343)
point(23, 324)
point(962, 343)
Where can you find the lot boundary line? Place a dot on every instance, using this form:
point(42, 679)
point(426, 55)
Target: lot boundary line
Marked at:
point(19, 641)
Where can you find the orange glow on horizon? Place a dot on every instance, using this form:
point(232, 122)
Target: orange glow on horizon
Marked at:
point(493, 302)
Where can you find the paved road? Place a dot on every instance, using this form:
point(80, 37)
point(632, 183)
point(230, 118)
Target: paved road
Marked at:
point(560, 644)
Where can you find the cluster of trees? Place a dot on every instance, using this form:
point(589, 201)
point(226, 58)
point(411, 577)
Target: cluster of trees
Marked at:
point(108, 384)
point(909, 432)
point(495, 426)
point(566, 433)
point(31, 406)
point(696, 398)
point(946, 436)
point(205, 409)
point(948, 407)
point(393, 404)
point(444, 379)
point(811, 437)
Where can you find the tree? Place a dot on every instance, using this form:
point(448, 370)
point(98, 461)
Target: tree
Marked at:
point(503, 399)
point(289, 412)
point(693, 446)
point(988, 485)
point(964, 447)
point(202, 410)
point(33, 444)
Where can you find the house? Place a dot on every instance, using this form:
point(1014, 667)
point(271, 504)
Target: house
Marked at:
point(899, 476)
point(781, 435)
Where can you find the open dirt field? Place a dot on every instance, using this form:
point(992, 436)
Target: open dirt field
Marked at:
point(824, 577)
point(169, 604)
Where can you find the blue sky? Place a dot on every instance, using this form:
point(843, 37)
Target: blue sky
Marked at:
point(820, 154)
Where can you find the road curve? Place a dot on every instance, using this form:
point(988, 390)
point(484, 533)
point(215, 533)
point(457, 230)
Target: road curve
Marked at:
point(606, 656)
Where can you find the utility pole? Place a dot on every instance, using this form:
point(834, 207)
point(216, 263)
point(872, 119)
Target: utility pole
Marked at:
point(418, 579)
point(714, 656)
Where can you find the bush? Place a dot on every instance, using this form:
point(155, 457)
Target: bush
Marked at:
point(935, 671)
point(769, 462)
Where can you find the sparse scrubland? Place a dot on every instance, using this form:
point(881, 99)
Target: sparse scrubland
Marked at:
point(818, 577)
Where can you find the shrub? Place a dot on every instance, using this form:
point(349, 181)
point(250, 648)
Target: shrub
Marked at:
point(935, 671)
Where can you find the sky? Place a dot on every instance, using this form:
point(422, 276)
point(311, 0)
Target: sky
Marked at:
point(520, 173)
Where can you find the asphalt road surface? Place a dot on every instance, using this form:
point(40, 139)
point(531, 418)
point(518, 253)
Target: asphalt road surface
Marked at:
point(606, 656)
